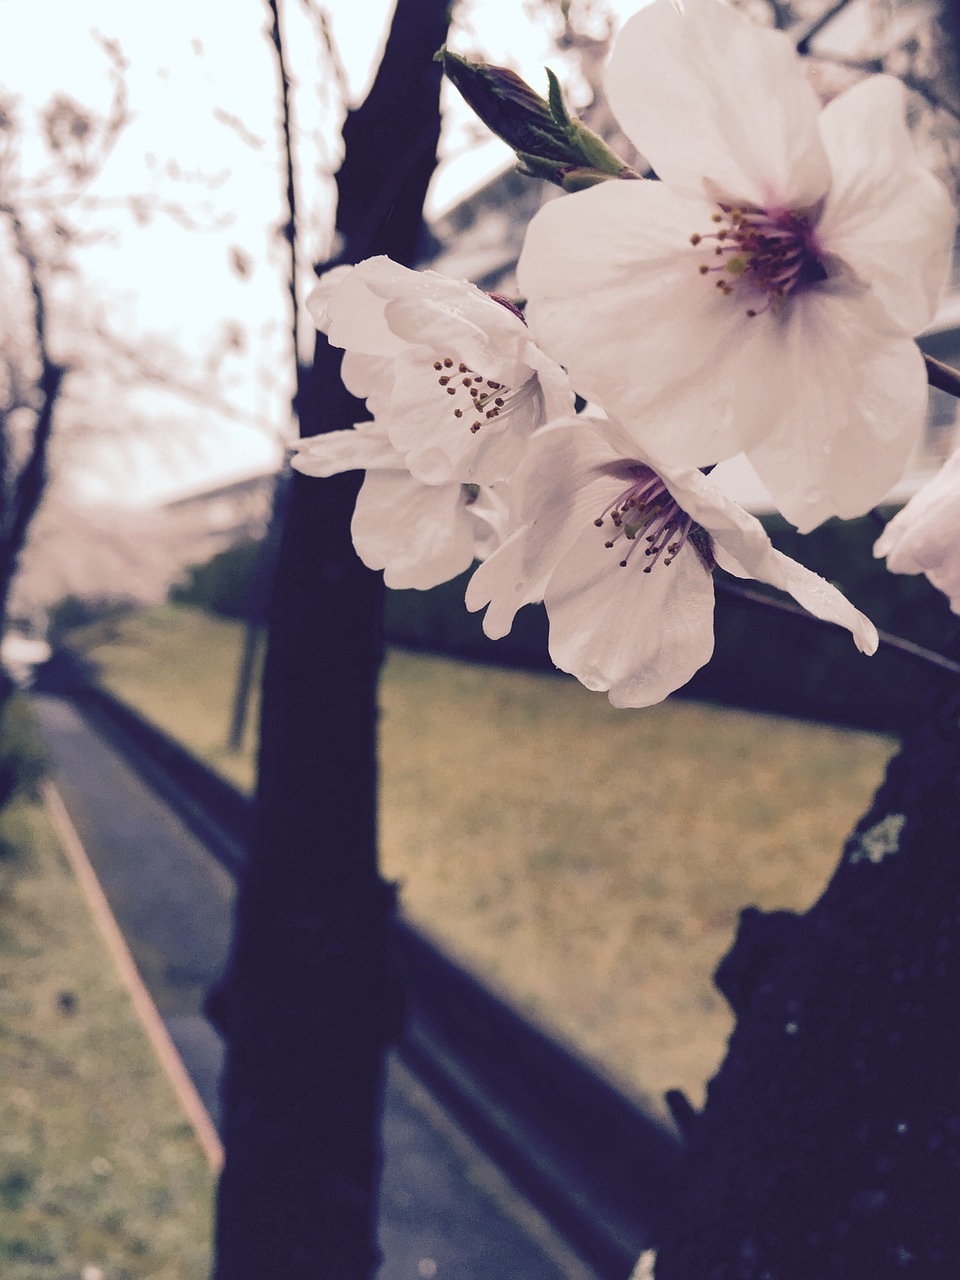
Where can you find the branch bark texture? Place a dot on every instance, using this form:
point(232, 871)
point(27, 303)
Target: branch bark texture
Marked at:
point(829, 1145)
point(309, 1003)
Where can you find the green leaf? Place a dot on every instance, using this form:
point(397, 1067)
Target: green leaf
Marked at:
point(558, 107)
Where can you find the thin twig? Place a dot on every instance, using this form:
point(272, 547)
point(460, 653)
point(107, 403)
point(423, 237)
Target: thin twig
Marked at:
point(139, 367)
point(942, 376)
point(321, 20)
point(803, 44)
point(871, 66)
point(730, 587)
point(866, 66)
point(290, 230)
point(781, 14)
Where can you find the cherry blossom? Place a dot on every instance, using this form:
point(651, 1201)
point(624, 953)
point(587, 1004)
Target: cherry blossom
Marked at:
point(622, 554)
point(925, 536)
point(762, 296)
point(451, 372)
point(419, 534)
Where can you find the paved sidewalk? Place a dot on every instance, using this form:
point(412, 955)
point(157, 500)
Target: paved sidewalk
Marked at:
point(445, 1210)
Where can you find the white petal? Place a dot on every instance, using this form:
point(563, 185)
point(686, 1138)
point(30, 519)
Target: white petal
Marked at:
point(639, 635)
point(451, 318)
point(355, 310)
point(558, 397)
point(359, 448)
point(557, 494)
point(886, 216)
point(438, 446)
point(707, 96)
point(491, 516)
point(815, 594)
point(370, 378)
point(742, 547)
point(319, 297)
point(851, 411)
point(925, 536)
point(598, 268)
point(499, 586)
point(381, 308)
point(615, 294)
point(738, 532)
point(419, 535)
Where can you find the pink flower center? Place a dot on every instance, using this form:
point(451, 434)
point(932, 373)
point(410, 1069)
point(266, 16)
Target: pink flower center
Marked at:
point(645, 514)
point(766, 253)
point(477, 400)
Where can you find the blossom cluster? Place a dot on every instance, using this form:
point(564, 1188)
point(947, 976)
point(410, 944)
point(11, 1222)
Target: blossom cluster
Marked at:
point(760, 296)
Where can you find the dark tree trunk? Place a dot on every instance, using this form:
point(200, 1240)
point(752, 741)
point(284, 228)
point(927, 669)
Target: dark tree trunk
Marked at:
point(830, 1141)
point(829, 1145)
point(309, 1004)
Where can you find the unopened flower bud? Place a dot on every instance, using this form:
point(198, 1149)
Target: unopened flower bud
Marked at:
point(508, 107)
point(549, 142)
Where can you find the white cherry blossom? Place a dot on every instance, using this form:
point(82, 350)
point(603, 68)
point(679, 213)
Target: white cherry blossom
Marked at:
point(925, 536)
point(622, 553)
point(419, 534)
point(451, 373)
point(762, 296)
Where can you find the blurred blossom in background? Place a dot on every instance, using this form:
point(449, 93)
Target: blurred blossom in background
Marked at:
point(167, 299)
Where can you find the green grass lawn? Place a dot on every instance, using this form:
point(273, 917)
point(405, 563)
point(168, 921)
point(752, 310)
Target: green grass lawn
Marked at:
point(101, 1177)
point(591, 863)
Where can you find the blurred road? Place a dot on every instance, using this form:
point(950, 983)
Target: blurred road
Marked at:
point(446, 1211)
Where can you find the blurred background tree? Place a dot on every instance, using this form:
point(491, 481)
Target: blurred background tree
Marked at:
point(38, 237)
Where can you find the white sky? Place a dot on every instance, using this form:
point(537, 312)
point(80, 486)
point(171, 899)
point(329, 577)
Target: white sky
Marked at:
point(192, 65)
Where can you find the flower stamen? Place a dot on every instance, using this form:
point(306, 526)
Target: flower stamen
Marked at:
point(648, 516)
point(767, 252)
point(488, 398)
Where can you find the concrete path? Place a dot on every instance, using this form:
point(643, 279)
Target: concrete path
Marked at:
point(445, 1212)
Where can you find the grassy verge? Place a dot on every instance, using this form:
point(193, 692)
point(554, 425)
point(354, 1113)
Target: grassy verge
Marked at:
point(178, 666)
point(589, 862)
point(101, 1177)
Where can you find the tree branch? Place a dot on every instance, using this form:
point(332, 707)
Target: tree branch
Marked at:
point(942, 376)
point(803, 44)
point(730, 587)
